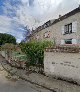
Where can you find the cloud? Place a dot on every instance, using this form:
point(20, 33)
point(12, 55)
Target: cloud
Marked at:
point(25, 1)
point(32, 12)
point(6, 26)
point(48, 9)
point(9, 22)
point(20, 13)
point(35, 12)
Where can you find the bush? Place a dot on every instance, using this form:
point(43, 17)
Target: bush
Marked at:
point(35, 51)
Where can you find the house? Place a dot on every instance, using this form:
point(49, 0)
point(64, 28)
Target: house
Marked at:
point(64, 30)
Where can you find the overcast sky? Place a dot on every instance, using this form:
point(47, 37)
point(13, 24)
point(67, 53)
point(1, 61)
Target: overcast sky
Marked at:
point(16, 14)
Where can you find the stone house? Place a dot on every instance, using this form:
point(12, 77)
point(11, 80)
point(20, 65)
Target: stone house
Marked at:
point(64, 30)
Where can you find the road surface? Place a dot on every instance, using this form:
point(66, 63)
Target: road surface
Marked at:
point(7, 85)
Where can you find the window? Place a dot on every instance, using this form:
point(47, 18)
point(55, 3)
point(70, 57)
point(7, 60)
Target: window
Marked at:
point(47, 34)
point(68, 41)
point(37, 37)
point(68, 28)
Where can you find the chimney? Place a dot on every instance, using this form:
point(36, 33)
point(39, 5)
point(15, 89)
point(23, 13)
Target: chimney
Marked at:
point(59, 16)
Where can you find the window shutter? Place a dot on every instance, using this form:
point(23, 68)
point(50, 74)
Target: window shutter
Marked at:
point(74, 26)
point(74, 41)
point(62, 30)
point(45, 35)
point(62, 42)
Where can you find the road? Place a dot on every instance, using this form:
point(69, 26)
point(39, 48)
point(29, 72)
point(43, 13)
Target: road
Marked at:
point(8, 85)
point(18, 86)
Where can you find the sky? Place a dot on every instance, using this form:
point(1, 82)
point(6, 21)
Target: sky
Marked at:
point(15, 15)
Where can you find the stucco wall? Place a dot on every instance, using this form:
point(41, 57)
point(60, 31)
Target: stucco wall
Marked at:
point(62, 65)
point(55, 30)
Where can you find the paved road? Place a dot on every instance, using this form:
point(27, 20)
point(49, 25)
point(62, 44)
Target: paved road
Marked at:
point(7, 85)
point(18, 86)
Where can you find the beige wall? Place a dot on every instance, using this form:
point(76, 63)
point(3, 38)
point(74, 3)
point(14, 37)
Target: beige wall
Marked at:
point(55, 30)
point(63, 65)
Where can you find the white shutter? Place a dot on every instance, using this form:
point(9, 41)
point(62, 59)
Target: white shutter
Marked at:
point(45, 35)
point(74, 41)
point(62, 30)
point(74, 26)
point(62, 42)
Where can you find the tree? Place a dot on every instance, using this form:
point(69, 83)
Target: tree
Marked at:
point(35, 51)
point(7, 38)
point(26, 34)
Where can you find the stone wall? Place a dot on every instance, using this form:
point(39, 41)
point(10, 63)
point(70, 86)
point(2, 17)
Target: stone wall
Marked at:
point(63, 62)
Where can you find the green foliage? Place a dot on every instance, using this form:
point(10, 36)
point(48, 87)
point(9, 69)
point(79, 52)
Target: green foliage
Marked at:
point(7, 38)
point(0, 48)
point(8, 46)
point(35, 51)
point(19, 56)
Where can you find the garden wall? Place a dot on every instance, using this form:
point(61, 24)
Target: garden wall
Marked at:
point(63, 62)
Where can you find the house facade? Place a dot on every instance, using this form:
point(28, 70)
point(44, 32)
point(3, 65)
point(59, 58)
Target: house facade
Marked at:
point(64, 30)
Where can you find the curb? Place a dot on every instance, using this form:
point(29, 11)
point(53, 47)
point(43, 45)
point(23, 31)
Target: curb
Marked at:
point(27, 79)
